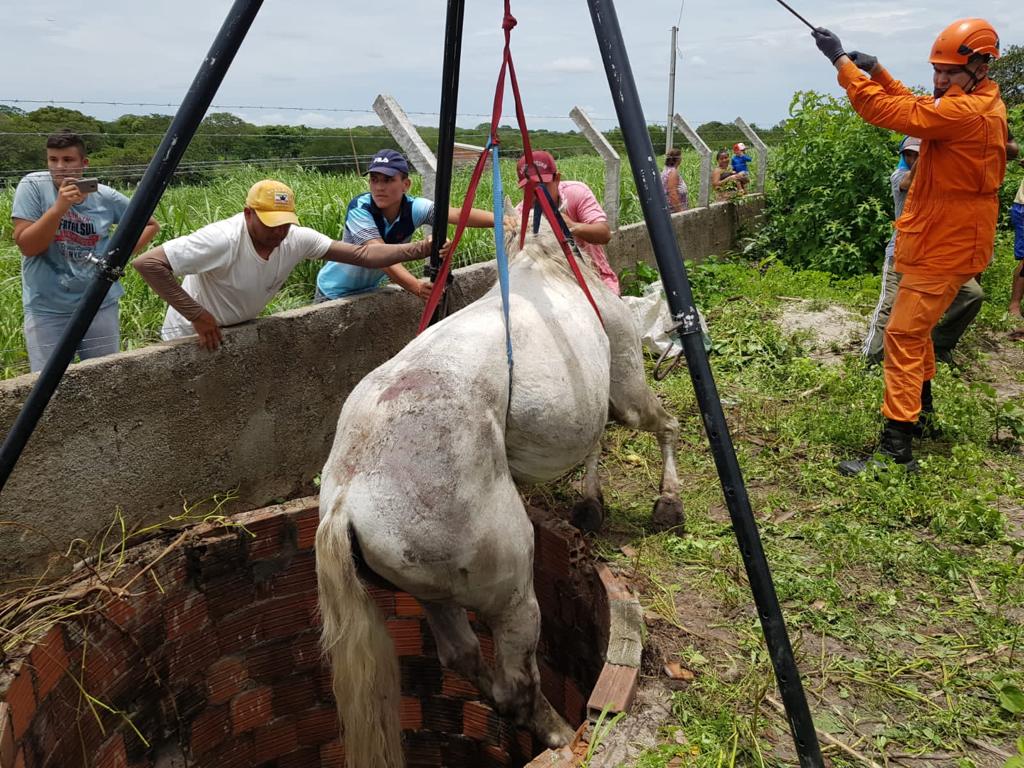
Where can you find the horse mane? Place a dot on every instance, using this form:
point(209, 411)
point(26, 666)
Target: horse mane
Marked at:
point(544, 250)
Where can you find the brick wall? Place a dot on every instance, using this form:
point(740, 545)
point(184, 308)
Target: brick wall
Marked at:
point(213, 653)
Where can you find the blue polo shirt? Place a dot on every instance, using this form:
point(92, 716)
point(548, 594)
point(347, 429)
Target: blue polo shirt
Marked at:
point(364, 222)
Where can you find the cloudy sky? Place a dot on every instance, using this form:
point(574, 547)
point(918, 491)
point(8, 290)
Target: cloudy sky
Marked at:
point(322, 62)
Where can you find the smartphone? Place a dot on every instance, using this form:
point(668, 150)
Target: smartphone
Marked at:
point(85, 186)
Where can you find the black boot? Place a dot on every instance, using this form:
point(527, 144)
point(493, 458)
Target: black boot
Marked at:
point(927, 422)
point(894, 444)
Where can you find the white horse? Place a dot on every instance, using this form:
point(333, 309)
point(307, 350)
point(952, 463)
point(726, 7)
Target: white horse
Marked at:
point(423, 476)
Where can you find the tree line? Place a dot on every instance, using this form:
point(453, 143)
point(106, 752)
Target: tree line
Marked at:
point(225, 140)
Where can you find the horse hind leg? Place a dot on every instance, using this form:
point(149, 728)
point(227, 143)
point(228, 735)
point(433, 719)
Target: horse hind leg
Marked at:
point(588, 512)
point(516, 691)
point(635, 405)
point(458, 647)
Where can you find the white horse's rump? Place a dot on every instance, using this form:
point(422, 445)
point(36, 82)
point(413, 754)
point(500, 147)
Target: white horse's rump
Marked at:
point(423, 470)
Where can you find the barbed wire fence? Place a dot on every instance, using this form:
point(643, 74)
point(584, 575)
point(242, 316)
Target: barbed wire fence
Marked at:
point(211, 176)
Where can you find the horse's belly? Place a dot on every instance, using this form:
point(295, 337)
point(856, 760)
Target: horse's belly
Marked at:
point(557, 416)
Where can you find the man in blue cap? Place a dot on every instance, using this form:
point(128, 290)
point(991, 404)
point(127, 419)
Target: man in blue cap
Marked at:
point(385, 214)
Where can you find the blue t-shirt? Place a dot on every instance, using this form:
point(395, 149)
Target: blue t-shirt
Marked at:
point(739, 163)
point(54, 281)
point(365, 222)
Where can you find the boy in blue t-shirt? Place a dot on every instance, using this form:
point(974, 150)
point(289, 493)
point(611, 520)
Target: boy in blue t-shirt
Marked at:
point(385, 214)
point(740, 161)
point(59, 228)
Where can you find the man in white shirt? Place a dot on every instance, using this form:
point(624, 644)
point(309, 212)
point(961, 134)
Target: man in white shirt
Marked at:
point(233, 268)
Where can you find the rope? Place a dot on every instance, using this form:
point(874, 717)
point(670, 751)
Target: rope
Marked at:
point(507, 66)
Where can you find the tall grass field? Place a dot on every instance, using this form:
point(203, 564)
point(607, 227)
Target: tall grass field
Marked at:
point(321, 201)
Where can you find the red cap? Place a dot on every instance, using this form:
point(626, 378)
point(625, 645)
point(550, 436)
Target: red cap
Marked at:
point(543, 166)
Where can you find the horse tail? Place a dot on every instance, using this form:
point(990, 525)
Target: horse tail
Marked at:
point(364, 668)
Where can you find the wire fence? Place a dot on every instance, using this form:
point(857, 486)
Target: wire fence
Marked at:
point(344, 163)
point(277, 108)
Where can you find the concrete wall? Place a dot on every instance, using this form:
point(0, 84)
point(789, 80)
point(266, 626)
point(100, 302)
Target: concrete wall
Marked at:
point(147, 430)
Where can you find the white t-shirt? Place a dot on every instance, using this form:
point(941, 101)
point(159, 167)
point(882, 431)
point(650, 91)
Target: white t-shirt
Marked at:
point(226, 275)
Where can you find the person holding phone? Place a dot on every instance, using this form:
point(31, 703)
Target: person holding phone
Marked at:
point(61, 221)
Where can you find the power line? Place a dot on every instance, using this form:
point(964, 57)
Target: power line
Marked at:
point(264, 107)
point(463, 132)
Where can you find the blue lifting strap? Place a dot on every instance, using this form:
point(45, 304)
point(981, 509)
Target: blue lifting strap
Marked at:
point(499, 247)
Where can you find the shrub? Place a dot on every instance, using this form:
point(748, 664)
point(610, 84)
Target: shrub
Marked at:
point(830, 207)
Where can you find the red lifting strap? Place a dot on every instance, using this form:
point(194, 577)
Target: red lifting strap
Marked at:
point(507, 24)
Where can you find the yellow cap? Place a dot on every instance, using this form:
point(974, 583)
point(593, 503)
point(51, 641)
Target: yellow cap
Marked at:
point(273, 202)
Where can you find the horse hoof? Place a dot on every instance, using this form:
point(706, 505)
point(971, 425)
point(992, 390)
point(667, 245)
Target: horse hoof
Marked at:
point(557, 737)
point(588, 515)
point(668, 514)
point(550, 728)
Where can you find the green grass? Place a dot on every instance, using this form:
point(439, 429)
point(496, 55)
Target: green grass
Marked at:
point(321, 201)
point(904, 596)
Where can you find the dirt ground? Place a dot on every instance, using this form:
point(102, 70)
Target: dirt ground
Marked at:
point(702, 623)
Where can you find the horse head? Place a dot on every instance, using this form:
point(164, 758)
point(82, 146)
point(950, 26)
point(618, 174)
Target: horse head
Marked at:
point(541, 246)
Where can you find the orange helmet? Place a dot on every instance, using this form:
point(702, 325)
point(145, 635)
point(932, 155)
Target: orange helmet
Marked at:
point(962, 39)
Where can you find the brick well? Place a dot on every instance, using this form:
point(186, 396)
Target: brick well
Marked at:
point(213, 656)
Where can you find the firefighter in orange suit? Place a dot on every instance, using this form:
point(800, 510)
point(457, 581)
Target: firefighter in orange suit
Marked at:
point(948, 225)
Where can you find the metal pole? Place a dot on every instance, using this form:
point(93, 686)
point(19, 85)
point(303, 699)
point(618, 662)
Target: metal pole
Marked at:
point(141, 207)
point(446, 139)
point(671, 92)
point(680, 299)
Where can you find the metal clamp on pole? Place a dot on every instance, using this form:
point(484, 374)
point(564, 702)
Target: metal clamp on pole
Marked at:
point(690, 323)
point(105, 270)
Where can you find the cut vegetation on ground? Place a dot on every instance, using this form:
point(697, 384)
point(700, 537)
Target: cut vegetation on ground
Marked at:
point(904, 596)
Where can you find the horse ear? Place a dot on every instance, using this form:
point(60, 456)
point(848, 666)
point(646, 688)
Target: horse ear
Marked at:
point(511, 216)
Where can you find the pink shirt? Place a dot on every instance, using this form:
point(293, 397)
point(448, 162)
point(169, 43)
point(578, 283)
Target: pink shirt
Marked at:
point(578, 203)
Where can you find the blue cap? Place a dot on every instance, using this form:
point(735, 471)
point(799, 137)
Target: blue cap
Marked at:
point(389, 162)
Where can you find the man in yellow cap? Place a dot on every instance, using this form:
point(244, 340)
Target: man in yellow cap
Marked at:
point(233, 268)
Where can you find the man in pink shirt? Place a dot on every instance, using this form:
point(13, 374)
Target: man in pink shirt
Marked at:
point(584, 216)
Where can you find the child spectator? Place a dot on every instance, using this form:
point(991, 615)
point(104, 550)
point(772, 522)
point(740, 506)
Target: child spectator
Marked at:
point(740, 161)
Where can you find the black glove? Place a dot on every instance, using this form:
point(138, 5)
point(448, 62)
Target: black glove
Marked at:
point(828, 43)
point(864, 61)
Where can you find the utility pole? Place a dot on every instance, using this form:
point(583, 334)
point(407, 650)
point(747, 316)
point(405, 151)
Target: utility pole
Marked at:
point(671, 91)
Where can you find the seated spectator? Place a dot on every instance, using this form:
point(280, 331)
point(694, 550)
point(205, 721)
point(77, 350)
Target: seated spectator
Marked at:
point(385, 214)
point(724, 180)
point(672, 180)
point(59, 227)
point(234, 267)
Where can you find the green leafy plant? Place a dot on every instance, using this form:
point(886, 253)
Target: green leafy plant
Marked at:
point(602, 728)
point(830, 206)
point(633, 280)
point(1017, 761)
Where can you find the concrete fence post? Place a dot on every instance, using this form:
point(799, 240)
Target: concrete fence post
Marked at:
point(612, 164)
point(404, 132)
point(705, 157)
point(762, 152)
